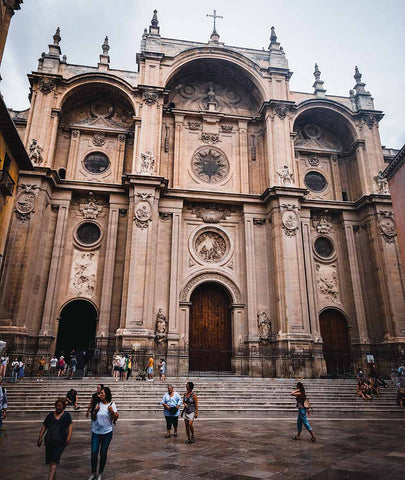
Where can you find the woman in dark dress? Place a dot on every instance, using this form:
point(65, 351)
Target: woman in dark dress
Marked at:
point(58, 427)
point(190, 412)
point(300, 397)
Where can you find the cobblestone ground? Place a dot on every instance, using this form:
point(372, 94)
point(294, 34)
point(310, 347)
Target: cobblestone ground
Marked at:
point(227, 449)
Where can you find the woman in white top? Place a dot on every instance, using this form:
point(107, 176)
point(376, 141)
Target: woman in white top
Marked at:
point(4, 363)
point(104, 416)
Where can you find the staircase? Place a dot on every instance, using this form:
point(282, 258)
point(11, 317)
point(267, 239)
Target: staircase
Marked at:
point(218, 397)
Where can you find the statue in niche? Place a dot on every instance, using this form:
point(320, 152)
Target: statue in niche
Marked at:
point(382, 183)
point(264, 325)
point(161, 327)
point(212, 100)
point(35, 152)
point(147, 164)
point(286, 178)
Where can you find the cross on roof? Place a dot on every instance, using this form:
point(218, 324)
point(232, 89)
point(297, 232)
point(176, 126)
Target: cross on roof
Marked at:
point(215, 16)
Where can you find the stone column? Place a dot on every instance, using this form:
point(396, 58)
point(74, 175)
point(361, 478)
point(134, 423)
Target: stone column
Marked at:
point(49, 315)
point(72, 157)
point(178, 131)
point(243, 157)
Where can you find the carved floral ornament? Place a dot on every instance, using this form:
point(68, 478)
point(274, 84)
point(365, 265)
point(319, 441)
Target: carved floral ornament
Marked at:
point(289, 220)
point(99, 139)
point(387, 224)
point(143, 211)
point(26, 202)
point(211, 213)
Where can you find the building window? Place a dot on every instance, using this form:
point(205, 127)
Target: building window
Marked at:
point(96, 162)
point(315, 181)
point(88, 233)
point(6, 182)
point(324, 247)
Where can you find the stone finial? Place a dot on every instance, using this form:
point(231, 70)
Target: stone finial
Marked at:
point(57, 38)
point(273, 36)
point(154, 22)
point(357, 75)
point(105, 46)
point(318, 84)
point(359, 87)
point(363, 98)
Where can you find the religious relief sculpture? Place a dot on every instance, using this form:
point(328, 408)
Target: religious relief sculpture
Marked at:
point(322, 223)
point(312, 137)
point(89, 207)
point(210, 138)
point(46, 85)
point(83, 277)
point(210, 247)
point(313, 160)
point(150, 97)
point(289, 220)
point(35, 152)
point(210, 165)
point(26, 202)
point(327, 281)
point(387, 223)
point(147, 163)
point(286, 178)
point(381, 183)
point(264, 324)
point(161, 328)
point(99, 139)
point(143, 211)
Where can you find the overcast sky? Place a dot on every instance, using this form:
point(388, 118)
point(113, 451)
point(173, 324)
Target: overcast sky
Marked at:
point(337, 34)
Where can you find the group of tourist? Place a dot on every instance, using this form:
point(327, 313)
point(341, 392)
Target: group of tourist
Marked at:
point(122, 367)
point(17, 368)
point(369, 386)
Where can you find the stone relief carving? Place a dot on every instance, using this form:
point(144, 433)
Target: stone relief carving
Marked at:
point(84, 272)
point(121, 138)
point(194, 125)
point(370, 120)
point(46, 85)
point(322, 223)
point(327, 281)
point(227, 128)
point(90, 207)
point(143, 211)
point(381, 183)
point(387, 224)
point(210, 138)
point(210, 247)
point(99, 139)
point(147, 163)
point(75, 133)
point(286, 178)
point(313, 160)
point(161, 327)
point(264, 324)
point(281, 110)
point(100, 113)
point(26, 202)
point(312, 137)
point(210, 276)
point(150, 97)
point(210, 165)
point(35, 152)
point(211, 213)
point(289, 220)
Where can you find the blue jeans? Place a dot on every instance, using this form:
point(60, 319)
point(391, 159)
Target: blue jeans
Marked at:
point(13, 376)
point(99, 443)
point(302, 419)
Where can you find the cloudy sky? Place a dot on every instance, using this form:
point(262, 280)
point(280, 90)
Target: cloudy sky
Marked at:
point(337, 34)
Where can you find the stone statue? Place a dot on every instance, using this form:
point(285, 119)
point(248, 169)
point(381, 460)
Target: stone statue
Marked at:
point(161, 324)
point(286, 178)
point(264, 325)
point(382, 183)
point(35, 152)
point(147, 164)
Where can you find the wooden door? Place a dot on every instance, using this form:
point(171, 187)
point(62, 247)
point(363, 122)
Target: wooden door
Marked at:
point(336, 343)
point(210, 346)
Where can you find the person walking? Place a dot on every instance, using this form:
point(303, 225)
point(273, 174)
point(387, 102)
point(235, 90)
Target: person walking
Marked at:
point(150, 369)
point(58, 427)
point(21, 369)
point(94, 399)
point(61, 366)
point(15, 367)
point(104, 416)
point(171, 402)
point(162, 369)
point(41, 368)
point(4, 364)
point(128, 366)
point(53, 366)
point(73, 366)
point(303, 406)
point(3, 402)
point(190, 412)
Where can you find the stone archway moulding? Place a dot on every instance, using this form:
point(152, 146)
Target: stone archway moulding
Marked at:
point(205, 277)
point(78, 298)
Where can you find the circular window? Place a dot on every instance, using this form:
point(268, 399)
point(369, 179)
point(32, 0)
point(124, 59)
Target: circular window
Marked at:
point(315, 181)
point(324, 247)
point(88, 233)
point(96, 162)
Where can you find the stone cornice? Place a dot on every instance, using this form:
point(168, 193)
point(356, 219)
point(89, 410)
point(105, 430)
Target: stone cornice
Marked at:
point(396, 163)
point(277, 191)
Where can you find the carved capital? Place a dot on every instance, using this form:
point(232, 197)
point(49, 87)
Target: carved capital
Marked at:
point(150, 97)
point(46, 85)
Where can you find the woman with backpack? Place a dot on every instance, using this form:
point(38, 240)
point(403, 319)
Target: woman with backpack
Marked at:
point(303, 406)
point(58, 427)
point(103, 418)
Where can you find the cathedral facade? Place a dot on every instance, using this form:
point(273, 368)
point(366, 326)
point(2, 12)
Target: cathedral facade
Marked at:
point(199, 209)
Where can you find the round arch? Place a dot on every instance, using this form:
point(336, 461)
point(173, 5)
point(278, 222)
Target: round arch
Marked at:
point(213, 277)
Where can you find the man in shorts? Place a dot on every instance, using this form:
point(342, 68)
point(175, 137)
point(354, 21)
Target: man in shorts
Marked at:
point(150, 369)
point(73, 366)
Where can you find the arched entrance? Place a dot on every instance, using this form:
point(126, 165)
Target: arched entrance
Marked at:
point(77, 327)
point(336, 342)
point(210, 346)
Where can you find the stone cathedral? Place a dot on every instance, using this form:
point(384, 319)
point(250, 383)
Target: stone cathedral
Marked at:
point(199, 209)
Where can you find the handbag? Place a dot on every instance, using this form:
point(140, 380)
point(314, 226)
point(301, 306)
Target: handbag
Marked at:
point(173, 410)
point(307, 405)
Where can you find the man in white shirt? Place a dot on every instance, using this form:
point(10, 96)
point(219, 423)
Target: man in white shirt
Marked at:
point(53, 364)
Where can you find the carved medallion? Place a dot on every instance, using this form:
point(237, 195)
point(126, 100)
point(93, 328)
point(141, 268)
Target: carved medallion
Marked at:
point(26, 202)
point(210, 247)
point(289, 220)
point(99, 139)
point(143, 213)
point(388, 228)
point(46, 85)
point(210, 165)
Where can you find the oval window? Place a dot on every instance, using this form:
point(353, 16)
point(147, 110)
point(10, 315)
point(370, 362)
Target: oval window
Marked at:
point(96, 162)
point(88, 233)
point(315, 181)
point(324, 247)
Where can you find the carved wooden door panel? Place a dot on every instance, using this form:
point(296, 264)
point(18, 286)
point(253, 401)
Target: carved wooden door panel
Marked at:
point(336, 343)
point(210, 346)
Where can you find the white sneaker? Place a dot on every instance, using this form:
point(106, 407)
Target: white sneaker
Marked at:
point(93, 476)
point(99, 476)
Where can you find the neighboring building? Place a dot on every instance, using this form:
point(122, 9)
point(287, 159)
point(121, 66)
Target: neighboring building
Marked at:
point(395, 174)
point(201, 209)
point(7, 8)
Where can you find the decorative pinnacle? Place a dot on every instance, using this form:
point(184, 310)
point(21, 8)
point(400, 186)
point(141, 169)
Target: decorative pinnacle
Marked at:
point(317, 73)
point(357, 75)
point(105, 46)
point(57, 38)
point(273, 36)
point(318, 84)
point(154, 22)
